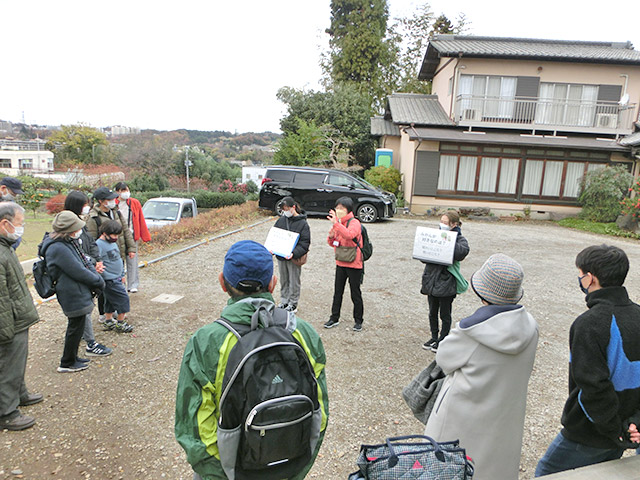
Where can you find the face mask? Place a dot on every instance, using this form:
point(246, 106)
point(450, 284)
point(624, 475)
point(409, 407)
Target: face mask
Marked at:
point(76, 235)
point(19, 231)
point(444, 227)
point(125, 195)
point(584, 290)
point(8, 197)
point(287, 213)
point(340, 213)
point(86, 209)
point(111, 240)
point(111, 204)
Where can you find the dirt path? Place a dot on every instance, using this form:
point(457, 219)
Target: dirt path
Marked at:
point(115, 420)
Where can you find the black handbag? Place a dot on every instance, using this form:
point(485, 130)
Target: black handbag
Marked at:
point(422, 391)
point(425, 460)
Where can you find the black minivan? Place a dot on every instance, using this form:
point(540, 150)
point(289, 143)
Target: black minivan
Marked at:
point(317, 189)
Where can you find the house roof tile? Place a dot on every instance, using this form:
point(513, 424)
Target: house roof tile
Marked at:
point(525, 49)
point(408, 108)
point(380, 127)
point(632, 140)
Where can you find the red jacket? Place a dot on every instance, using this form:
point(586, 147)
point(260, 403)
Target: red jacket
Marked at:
point(345, 237)
point(138, 222)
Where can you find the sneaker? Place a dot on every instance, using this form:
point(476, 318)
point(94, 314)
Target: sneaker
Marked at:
point(109, 324)
point(283, 305)
point(291, 308)
point(31, 399)
point(102, 319)
point(76, 367)
point(18, 422)
point(357, 327)
point(82, 360)
point(331, 323)
point(123, 327)
point(434, 347)
point(429, 344)
point(134, 290)
point(95, 349)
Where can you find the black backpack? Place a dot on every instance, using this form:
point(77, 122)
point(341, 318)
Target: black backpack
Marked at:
point(367, 246)
point(44, 283)
point(269, 411)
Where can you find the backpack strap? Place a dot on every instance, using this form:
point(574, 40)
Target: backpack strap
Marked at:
point(279, 318)
point(355, 239)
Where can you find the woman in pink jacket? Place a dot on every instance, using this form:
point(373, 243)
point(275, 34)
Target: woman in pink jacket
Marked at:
point(345, 237)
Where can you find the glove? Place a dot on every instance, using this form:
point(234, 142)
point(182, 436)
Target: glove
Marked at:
point(624, 442)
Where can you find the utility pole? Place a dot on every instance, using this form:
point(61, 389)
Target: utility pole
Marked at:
point(187, 164)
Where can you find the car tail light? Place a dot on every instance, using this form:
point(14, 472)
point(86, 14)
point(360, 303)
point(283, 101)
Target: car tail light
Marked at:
point(265, 180)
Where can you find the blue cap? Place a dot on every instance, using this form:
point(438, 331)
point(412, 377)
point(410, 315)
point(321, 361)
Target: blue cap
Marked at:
point(248, 261)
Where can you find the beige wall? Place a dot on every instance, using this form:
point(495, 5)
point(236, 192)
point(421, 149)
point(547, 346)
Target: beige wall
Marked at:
point(440, 84)
point(559, 72)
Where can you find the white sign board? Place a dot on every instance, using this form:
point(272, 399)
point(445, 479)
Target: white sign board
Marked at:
point(281, 242)
point(434, 245)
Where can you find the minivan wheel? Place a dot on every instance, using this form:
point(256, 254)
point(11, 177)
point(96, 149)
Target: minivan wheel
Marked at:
point(367, 213)
point(278, 207)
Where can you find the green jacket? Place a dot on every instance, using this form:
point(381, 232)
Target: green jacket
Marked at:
point(200, 386)
point(126, 243)
point(17, 311)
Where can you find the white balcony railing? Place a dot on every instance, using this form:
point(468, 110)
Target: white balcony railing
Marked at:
point(544, 114)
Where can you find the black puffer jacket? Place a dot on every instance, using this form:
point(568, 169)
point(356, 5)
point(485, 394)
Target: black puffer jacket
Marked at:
point(299, 225)
point(437, 281)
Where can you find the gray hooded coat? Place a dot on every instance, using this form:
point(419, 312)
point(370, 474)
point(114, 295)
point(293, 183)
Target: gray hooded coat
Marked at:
point(488, 358)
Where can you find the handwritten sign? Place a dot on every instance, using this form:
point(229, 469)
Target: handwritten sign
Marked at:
point(434, 246)
point(281, 241)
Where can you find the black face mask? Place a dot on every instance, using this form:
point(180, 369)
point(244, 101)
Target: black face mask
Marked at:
point(112, 240)
point(584, 290)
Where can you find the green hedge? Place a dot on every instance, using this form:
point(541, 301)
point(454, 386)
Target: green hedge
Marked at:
point(204, 198)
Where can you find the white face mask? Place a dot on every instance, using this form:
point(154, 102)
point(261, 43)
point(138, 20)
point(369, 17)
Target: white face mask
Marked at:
point(111, 204)
point(287, 213)
point(19, 231)
point(76, 235)
point(125, 195)
point(86, 209)
point(8, 197)
point(444, 227)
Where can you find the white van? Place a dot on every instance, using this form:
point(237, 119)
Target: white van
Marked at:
point(162, 211)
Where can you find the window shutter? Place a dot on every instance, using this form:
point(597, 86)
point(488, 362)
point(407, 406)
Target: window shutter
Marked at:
point(526, 88)
point(609, 93)
point(425, 181)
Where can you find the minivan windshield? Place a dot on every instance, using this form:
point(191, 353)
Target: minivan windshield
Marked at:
point(161, 210)
point(366, 183)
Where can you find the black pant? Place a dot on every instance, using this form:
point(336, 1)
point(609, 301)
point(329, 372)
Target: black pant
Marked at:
point(355, 279)
point(101, 303)
point(75, 328)
point(444, 305)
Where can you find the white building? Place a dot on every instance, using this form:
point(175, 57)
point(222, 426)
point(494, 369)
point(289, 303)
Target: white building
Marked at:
point(20, 158)
point(255, 173)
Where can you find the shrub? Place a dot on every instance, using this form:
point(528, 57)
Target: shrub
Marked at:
point(55, 204)
point(204, 198)
point(631, 206)
point(602, 192)
point(148, 183)
point(387, 178)
point(252, 187)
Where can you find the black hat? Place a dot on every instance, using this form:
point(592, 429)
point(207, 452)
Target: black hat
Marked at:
point(12, 184)
point(104, 193)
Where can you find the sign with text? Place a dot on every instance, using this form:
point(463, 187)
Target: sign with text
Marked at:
point(434, 245)
point(281, 241)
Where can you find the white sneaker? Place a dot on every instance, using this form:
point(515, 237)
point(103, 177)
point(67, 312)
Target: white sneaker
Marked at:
point(102, 319)
point(134, 290)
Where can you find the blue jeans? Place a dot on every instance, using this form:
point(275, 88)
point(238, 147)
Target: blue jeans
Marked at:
point(564, 454)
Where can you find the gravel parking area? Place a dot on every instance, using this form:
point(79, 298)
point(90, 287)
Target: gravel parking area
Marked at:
point(115, 420)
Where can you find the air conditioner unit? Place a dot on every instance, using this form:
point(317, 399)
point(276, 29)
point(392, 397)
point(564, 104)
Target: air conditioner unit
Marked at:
point(606, 120)
point(470, 114)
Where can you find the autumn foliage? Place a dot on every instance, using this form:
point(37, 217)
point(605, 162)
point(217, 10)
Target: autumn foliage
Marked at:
point(55, 204)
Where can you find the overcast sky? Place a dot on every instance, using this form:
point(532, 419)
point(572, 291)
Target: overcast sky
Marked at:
point(217, 65)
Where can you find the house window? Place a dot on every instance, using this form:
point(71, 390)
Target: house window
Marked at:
point(447, 174)
point(25, 163)
point(50, 163)
point(488, 175)
point(467, 174)
point(567, 104)
point(5, 163)
point(532, 177)
point(487, 96)
point(508, 176)
point(575, 172)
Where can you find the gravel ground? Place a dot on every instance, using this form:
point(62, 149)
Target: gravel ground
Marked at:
point(115, 420)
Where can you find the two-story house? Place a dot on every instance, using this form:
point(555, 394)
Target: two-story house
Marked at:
point(513, 123)
point(24, 157)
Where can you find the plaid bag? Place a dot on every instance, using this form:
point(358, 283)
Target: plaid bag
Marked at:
point(395, 460)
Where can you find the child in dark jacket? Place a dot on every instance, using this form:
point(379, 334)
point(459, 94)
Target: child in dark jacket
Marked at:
point(116, 297)
point(439, 284)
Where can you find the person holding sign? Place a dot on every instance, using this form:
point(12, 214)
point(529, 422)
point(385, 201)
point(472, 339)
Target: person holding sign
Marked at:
point(439, 284)
point(345, 236)
point(293, 219)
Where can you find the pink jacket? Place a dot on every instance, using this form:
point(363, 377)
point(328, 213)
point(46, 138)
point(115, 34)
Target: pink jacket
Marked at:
point(345, 237)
